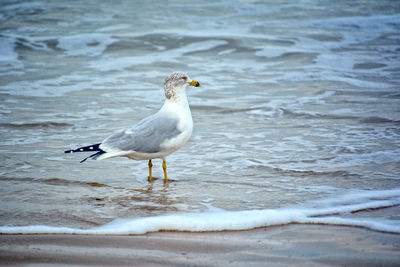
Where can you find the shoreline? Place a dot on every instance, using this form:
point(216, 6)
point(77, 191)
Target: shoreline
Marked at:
point(296, 244)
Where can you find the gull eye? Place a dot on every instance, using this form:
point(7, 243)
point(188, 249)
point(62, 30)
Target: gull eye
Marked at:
point(184, 78)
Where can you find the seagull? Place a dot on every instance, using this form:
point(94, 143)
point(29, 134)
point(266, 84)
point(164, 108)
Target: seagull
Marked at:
point(155, 136)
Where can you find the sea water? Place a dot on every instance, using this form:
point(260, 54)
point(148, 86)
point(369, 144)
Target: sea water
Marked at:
point(297, 119)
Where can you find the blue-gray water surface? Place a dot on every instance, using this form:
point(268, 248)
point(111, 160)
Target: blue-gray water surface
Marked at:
point(300, 101)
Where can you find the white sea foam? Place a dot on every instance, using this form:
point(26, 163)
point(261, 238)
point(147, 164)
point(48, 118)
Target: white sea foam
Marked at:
point(8, 57)
point(339, 161)
point(274, 106)
point(7, 52)
point(113, 28)
point(57, 86)
point(93, 44)
point(219, 220)
point(107, 64)
point(368, 24)
point(343, 161)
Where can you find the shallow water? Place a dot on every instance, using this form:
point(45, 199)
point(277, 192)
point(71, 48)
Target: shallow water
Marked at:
point(299, 105)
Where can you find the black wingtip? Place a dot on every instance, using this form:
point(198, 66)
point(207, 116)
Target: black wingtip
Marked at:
point(93, 156)
point(92, 148)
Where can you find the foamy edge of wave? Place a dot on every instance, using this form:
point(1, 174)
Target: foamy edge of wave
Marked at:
point(237, 220)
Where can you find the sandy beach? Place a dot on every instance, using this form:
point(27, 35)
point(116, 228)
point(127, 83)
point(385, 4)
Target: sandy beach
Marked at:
point(311, 245)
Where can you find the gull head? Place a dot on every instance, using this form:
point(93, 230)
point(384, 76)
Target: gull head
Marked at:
point(176, 83)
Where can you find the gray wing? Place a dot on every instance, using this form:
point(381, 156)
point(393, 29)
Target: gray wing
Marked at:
point(146, 136)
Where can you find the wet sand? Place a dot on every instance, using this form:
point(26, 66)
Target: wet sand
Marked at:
point(311, 245)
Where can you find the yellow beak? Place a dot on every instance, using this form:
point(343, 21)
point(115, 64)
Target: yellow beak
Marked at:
point(195, 84)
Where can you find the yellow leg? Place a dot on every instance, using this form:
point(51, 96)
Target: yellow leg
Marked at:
point(164, 166)
point(150, 175)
